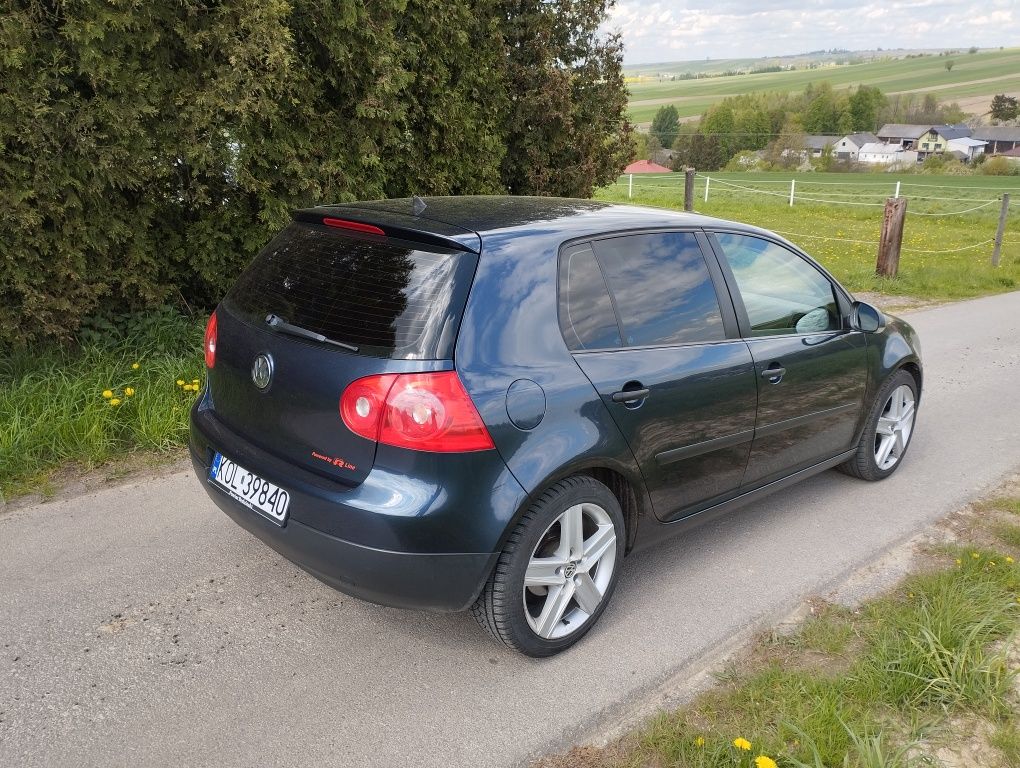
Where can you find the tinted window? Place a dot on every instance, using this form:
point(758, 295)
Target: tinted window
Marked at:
point(586, 311)
point(389, 297)
point(662, 288)
point(782, 292)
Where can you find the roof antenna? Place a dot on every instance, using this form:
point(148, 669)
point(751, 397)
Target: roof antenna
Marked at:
point(418, 205)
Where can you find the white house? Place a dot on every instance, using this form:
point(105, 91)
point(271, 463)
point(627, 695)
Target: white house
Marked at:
point(850, 145)
point(967, 147)
point(886, 154)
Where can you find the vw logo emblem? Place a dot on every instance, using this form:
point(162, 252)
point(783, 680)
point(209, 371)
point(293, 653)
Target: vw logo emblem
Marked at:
point(262, 371)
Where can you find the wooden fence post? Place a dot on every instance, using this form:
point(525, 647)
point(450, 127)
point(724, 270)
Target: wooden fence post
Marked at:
point(688, 189)
point(892, 237)
point(997, 249)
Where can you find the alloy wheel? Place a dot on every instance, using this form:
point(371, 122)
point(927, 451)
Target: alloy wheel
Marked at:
point(569, 571)
point(892, 433)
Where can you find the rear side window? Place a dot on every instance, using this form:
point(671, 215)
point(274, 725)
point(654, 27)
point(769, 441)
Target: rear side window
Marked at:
point(663, 290)
point(586, 311)
point(391, 298)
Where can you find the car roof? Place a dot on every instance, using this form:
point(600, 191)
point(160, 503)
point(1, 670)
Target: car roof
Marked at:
point(471, 219)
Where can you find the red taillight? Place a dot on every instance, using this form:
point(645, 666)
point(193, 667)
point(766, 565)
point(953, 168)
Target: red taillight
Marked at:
point(421, 411)
point(356, 226)
point(363, 402)
point(210, 341)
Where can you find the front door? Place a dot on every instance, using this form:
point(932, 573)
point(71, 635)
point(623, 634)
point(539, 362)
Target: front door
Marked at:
point(679, 387)
point(810, 369)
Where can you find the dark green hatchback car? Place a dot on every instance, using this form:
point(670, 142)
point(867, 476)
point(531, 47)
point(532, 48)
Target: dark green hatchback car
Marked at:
point(487, 403)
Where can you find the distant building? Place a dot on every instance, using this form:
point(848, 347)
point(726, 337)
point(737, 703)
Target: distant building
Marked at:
point(1000, 138)
point(904, 134)
point(926, 139)
point(815, 145)
point(966, 148)
point(646, 166)
point(878, 153)
point(847, 147)
point(936, 139)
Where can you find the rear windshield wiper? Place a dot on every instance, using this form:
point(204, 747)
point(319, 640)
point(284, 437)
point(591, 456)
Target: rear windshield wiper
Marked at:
point(277, 323)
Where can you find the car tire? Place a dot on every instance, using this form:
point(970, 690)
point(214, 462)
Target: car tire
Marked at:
point(557, 571)
point(887, 431)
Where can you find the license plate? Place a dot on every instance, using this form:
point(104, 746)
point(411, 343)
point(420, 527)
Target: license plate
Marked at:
point(250, 489)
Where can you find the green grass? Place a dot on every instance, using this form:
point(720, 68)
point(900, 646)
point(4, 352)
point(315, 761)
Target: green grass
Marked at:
point(1006, 739)
point(54, 413)
point(877, 687)
point(692, 97)
point(828, 230)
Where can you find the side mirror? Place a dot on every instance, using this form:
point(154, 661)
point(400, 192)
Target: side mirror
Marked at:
point(864, 317)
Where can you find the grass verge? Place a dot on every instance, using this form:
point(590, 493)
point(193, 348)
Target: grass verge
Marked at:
point(54, 412)
point(923, 675)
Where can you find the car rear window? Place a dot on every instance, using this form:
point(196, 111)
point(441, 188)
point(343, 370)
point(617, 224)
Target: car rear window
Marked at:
point(391, 298)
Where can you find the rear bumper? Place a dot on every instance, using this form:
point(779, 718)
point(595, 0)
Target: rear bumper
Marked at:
point(401, 576)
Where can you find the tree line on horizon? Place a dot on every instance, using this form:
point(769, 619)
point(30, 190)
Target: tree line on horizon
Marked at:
point(777, 122)
point(150, 149)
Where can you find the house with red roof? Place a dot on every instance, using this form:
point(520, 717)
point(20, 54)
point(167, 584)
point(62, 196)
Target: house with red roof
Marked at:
point(646, 166)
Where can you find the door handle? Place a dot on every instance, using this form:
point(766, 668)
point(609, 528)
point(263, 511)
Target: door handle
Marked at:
point(774, 373)
point(630, 395)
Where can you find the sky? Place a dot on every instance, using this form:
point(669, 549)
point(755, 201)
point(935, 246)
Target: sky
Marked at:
point(677, 30)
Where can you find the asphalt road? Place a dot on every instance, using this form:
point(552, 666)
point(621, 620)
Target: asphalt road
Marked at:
point(140, 626)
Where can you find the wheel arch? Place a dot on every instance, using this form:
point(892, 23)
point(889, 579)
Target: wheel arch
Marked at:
point(629, 492)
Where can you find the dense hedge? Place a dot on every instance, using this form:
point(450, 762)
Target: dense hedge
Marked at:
point(149, 148)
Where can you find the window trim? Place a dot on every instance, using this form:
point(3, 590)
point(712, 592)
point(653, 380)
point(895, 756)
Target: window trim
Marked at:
point(727, 310)
point(843, 300)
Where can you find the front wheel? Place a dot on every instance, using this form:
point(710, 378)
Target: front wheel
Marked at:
point(557, 571)
point(888, 430)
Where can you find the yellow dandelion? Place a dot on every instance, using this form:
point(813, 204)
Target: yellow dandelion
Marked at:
point(180, 382)
point(107, 394)
point(910, 595)
point(135, 366)
point(991, 562)
point(1009, 559)
point(114, 401)
point(959, 561)
point(764, 762)
point(742, 743)
point(128, 391)
point(700, 741)
point(975, 555)
point(194, 381)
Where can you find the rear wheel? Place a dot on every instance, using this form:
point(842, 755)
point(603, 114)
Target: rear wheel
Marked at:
point(557, 571)
point(888, 430)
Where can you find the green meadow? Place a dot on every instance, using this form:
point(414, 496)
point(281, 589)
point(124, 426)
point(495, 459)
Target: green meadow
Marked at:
point(972, 75)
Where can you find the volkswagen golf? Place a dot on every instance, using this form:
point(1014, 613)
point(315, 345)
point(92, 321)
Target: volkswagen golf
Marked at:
point(488, 403)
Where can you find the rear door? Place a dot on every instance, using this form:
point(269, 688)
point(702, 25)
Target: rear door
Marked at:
point(398, 302)
point(643, 316)
point(811, 369)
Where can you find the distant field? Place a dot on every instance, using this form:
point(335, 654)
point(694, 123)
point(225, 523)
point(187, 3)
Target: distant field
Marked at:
point(945, 254)
point(973, 75)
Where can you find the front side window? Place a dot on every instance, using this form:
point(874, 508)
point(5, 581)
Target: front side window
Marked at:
point(782, 292)
point(662, 287)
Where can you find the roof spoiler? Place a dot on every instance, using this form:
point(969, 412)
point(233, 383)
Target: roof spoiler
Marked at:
point(387, 224)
